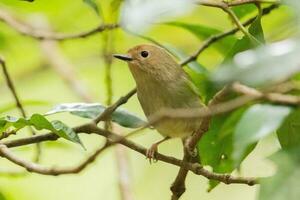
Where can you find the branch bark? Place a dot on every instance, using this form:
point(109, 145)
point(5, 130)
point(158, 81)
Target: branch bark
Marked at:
point(113, 139)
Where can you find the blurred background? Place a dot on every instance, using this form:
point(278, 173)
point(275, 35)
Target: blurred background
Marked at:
point(46, 73)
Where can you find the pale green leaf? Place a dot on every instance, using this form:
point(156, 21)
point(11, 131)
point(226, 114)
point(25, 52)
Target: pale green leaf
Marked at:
point(92, 110)
point(285, 183)
point(257, 122)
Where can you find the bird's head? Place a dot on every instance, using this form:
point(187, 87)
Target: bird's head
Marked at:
point(150, 60)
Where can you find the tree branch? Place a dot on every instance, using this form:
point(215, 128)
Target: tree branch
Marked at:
point(270, 96)
point(27, 30)
point(178, 186)
point(215, 38)
point(19, 105)
point(240, 26)
point(113, 139)
point(110, 109)
point(223, 4)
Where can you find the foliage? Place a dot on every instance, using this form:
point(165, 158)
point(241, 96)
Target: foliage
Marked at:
point(91, 111)
point(40, 123)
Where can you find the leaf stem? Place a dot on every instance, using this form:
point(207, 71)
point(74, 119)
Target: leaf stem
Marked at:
point(240, 25)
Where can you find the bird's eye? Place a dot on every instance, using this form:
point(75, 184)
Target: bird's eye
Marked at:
point(144, 54)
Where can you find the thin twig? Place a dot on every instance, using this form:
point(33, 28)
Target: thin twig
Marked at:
point(222, 4)
point(27, 30)
point(121, 155)
point(270, 96)
point(19, 105)
point(6, 134)
point(240, 26)
point(110, 109)
point(11, 87)
point(213, 39)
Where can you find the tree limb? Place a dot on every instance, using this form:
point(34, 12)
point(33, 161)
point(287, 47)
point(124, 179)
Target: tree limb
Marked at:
point(178, 186)
point(113, 139)
point(27, 30)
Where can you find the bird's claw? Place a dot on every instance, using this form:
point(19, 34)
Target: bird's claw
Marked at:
point(150, 153)
point(192, 152)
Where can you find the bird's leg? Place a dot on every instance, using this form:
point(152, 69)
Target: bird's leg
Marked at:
point(150, 153)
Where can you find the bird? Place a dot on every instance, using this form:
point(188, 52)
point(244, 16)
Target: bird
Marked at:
point(162, 84)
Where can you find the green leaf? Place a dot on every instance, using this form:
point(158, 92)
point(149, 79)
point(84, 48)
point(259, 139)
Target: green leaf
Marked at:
point(9, 121)
point(243, 10)
point(200, 31)
point(262, 66)
point(203, 32)
point(92, 110)
point(285, 183)
point(289, 132)
point(92, 4)
point(256, 123)
point(246, 43)
point(66, 132)
point(219, 141)
point(39, 122)
point(126, 119)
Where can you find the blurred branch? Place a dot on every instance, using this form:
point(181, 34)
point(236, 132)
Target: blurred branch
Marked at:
point(178, 186)
point(225, 4)
point(270, 96)
point(19, 105)
point(7, 134)
point(64, 69)
point(123, 171)
point(240, 26)
point(215, 38)
point(113, 139)
point(121, 155)
point(220, 108)
point(211, 110)
point(27, 30)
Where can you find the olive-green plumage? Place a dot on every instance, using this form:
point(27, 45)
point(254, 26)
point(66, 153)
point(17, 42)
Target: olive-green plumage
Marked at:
point(162, 83)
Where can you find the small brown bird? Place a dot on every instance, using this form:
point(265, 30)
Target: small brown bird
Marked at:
point(162, 84)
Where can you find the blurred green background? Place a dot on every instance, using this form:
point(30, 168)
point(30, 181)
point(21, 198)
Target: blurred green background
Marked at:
point(36, 80)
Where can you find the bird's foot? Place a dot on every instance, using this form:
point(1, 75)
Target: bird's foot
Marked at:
point(192, 152)
point(150, 153)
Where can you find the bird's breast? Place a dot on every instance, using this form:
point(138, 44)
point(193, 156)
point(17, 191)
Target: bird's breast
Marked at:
point(155, 96)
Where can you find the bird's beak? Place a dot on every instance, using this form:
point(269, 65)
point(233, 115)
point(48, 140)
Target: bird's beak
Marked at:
point(123, 57)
